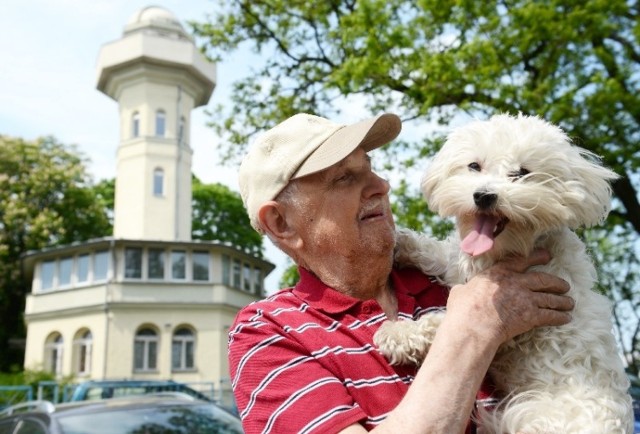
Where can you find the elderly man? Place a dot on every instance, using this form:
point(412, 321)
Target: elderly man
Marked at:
point(302, 360)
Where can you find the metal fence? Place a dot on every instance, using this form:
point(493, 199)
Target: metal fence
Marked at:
point(11, 395)
point(60, 392)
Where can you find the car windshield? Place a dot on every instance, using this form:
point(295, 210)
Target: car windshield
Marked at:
point(177, 419)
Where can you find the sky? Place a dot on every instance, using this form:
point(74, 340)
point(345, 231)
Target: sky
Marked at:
point(49, 51)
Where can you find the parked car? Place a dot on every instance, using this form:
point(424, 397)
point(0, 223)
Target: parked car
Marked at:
point(161, 413)
point(634, 391)
point(103, 389)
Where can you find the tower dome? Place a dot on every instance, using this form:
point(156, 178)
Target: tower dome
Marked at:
point(155, 20)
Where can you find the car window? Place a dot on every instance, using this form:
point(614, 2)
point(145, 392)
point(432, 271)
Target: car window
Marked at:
point(30, 426)
point(162, 419)
point(6, 426)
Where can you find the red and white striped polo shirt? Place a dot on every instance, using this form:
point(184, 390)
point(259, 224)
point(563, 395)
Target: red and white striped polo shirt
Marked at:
point(303, 360)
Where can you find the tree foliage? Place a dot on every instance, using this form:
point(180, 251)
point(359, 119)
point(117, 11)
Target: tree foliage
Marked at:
point(436, 62)
point(219, 215)
point(46, 199)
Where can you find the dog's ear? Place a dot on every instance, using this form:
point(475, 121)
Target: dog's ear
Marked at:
point(590, 187)
point(436, 172)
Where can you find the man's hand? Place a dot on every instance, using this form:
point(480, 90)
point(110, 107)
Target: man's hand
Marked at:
point(507, 300)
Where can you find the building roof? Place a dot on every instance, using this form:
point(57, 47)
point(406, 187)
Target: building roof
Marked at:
point(158, 18)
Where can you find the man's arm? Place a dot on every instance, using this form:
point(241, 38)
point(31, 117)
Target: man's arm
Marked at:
point(490, 309)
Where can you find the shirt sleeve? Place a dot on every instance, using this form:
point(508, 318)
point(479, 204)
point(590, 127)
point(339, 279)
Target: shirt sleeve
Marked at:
point(279, 386)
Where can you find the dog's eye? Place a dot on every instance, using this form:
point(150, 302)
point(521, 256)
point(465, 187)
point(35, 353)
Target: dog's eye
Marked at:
point(474, 166)
point(517, 174)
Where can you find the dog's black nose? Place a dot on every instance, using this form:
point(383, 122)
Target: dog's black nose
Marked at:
point(484, 199)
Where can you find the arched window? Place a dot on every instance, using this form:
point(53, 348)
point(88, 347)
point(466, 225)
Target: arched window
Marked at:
point(183, 349)
point(83, 345)
point(158, 182)
point(145, 350)
point(53, 353)
point(160, 123)
point(135, 124)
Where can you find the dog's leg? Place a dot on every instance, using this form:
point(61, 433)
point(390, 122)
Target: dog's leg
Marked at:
point(407, 342)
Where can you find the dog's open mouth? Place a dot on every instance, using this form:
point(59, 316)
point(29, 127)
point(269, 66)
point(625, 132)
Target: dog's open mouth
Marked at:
point(486, 228)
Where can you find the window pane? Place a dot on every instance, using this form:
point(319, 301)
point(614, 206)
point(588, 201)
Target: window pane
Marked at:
point(158, 182)
point(54, 360)
point(200, 266)
point(236, 273)
point(160, 123)
point(138, 355)
point(82, 363)
point(183, 332)
point(27, 426)
point(64, 279)
point(178, 268)
point(133, 263)
point(83, 268)
point(135, 125)
point(153, 354)
point(176, 353)
point(181, 130)
point(156, 264)
point(100, 265)
point(246, 277)
point(257, 281)
point(226, 270)
point(146, 332)
point(47, 272)
point(189, 355)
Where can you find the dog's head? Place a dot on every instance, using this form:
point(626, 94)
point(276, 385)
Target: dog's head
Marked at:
point(510, 179)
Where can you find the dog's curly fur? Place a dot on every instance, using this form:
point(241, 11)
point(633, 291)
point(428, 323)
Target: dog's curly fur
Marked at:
point(514, 184)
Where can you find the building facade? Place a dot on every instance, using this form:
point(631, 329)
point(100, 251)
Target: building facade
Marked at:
point(148, 302)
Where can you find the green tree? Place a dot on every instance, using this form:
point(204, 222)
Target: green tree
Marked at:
point(219, 215)
point(437, 62)
point(46, 199)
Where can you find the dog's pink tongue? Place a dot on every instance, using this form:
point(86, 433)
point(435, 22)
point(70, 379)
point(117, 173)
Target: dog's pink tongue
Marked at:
point(480, 239)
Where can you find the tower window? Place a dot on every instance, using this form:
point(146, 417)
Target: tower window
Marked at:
point(200, 266)
point(158, 182)
point(160, 123)
point(135, 124)
point(133, 263)
point(47, 274)
point(178, 264)
point(181, 130)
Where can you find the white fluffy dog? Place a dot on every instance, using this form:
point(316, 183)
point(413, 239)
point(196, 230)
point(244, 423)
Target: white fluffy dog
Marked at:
point(514, 184)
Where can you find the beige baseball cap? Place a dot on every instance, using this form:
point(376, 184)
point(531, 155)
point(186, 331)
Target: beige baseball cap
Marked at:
point(302, 145)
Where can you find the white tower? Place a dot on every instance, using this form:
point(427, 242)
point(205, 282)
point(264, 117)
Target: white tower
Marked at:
point(157, 76)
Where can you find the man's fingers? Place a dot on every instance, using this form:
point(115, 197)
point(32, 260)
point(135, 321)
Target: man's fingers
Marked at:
point(554, 302)
point(554, 318)
point(520, 264)
point(543, 282)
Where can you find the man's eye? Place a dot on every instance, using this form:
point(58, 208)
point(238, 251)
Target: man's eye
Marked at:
point(474, 167)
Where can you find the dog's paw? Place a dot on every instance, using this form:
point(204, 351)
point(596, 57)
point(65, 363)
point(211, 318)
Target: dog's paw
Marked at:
point(401, 342)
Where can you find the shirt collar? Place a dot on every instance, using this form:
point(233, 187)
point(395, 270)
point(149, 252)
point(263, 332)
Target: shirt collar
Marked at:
point(317, 294)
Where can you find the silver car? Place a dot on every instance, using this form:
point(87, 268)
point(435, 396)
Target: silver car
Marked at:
point(162, 413)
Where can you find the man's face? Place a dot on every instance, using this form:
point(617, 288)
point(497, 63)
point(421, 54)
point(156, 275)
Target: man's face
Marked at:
point(344, 213)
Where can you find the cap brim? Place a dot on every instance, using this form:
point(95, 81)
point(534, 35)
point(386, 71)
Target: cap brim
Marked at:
point(368, 134)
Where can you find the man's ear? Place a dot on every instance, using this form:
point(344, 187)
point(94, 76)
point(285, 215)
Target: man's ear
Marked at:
point(273, 219)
